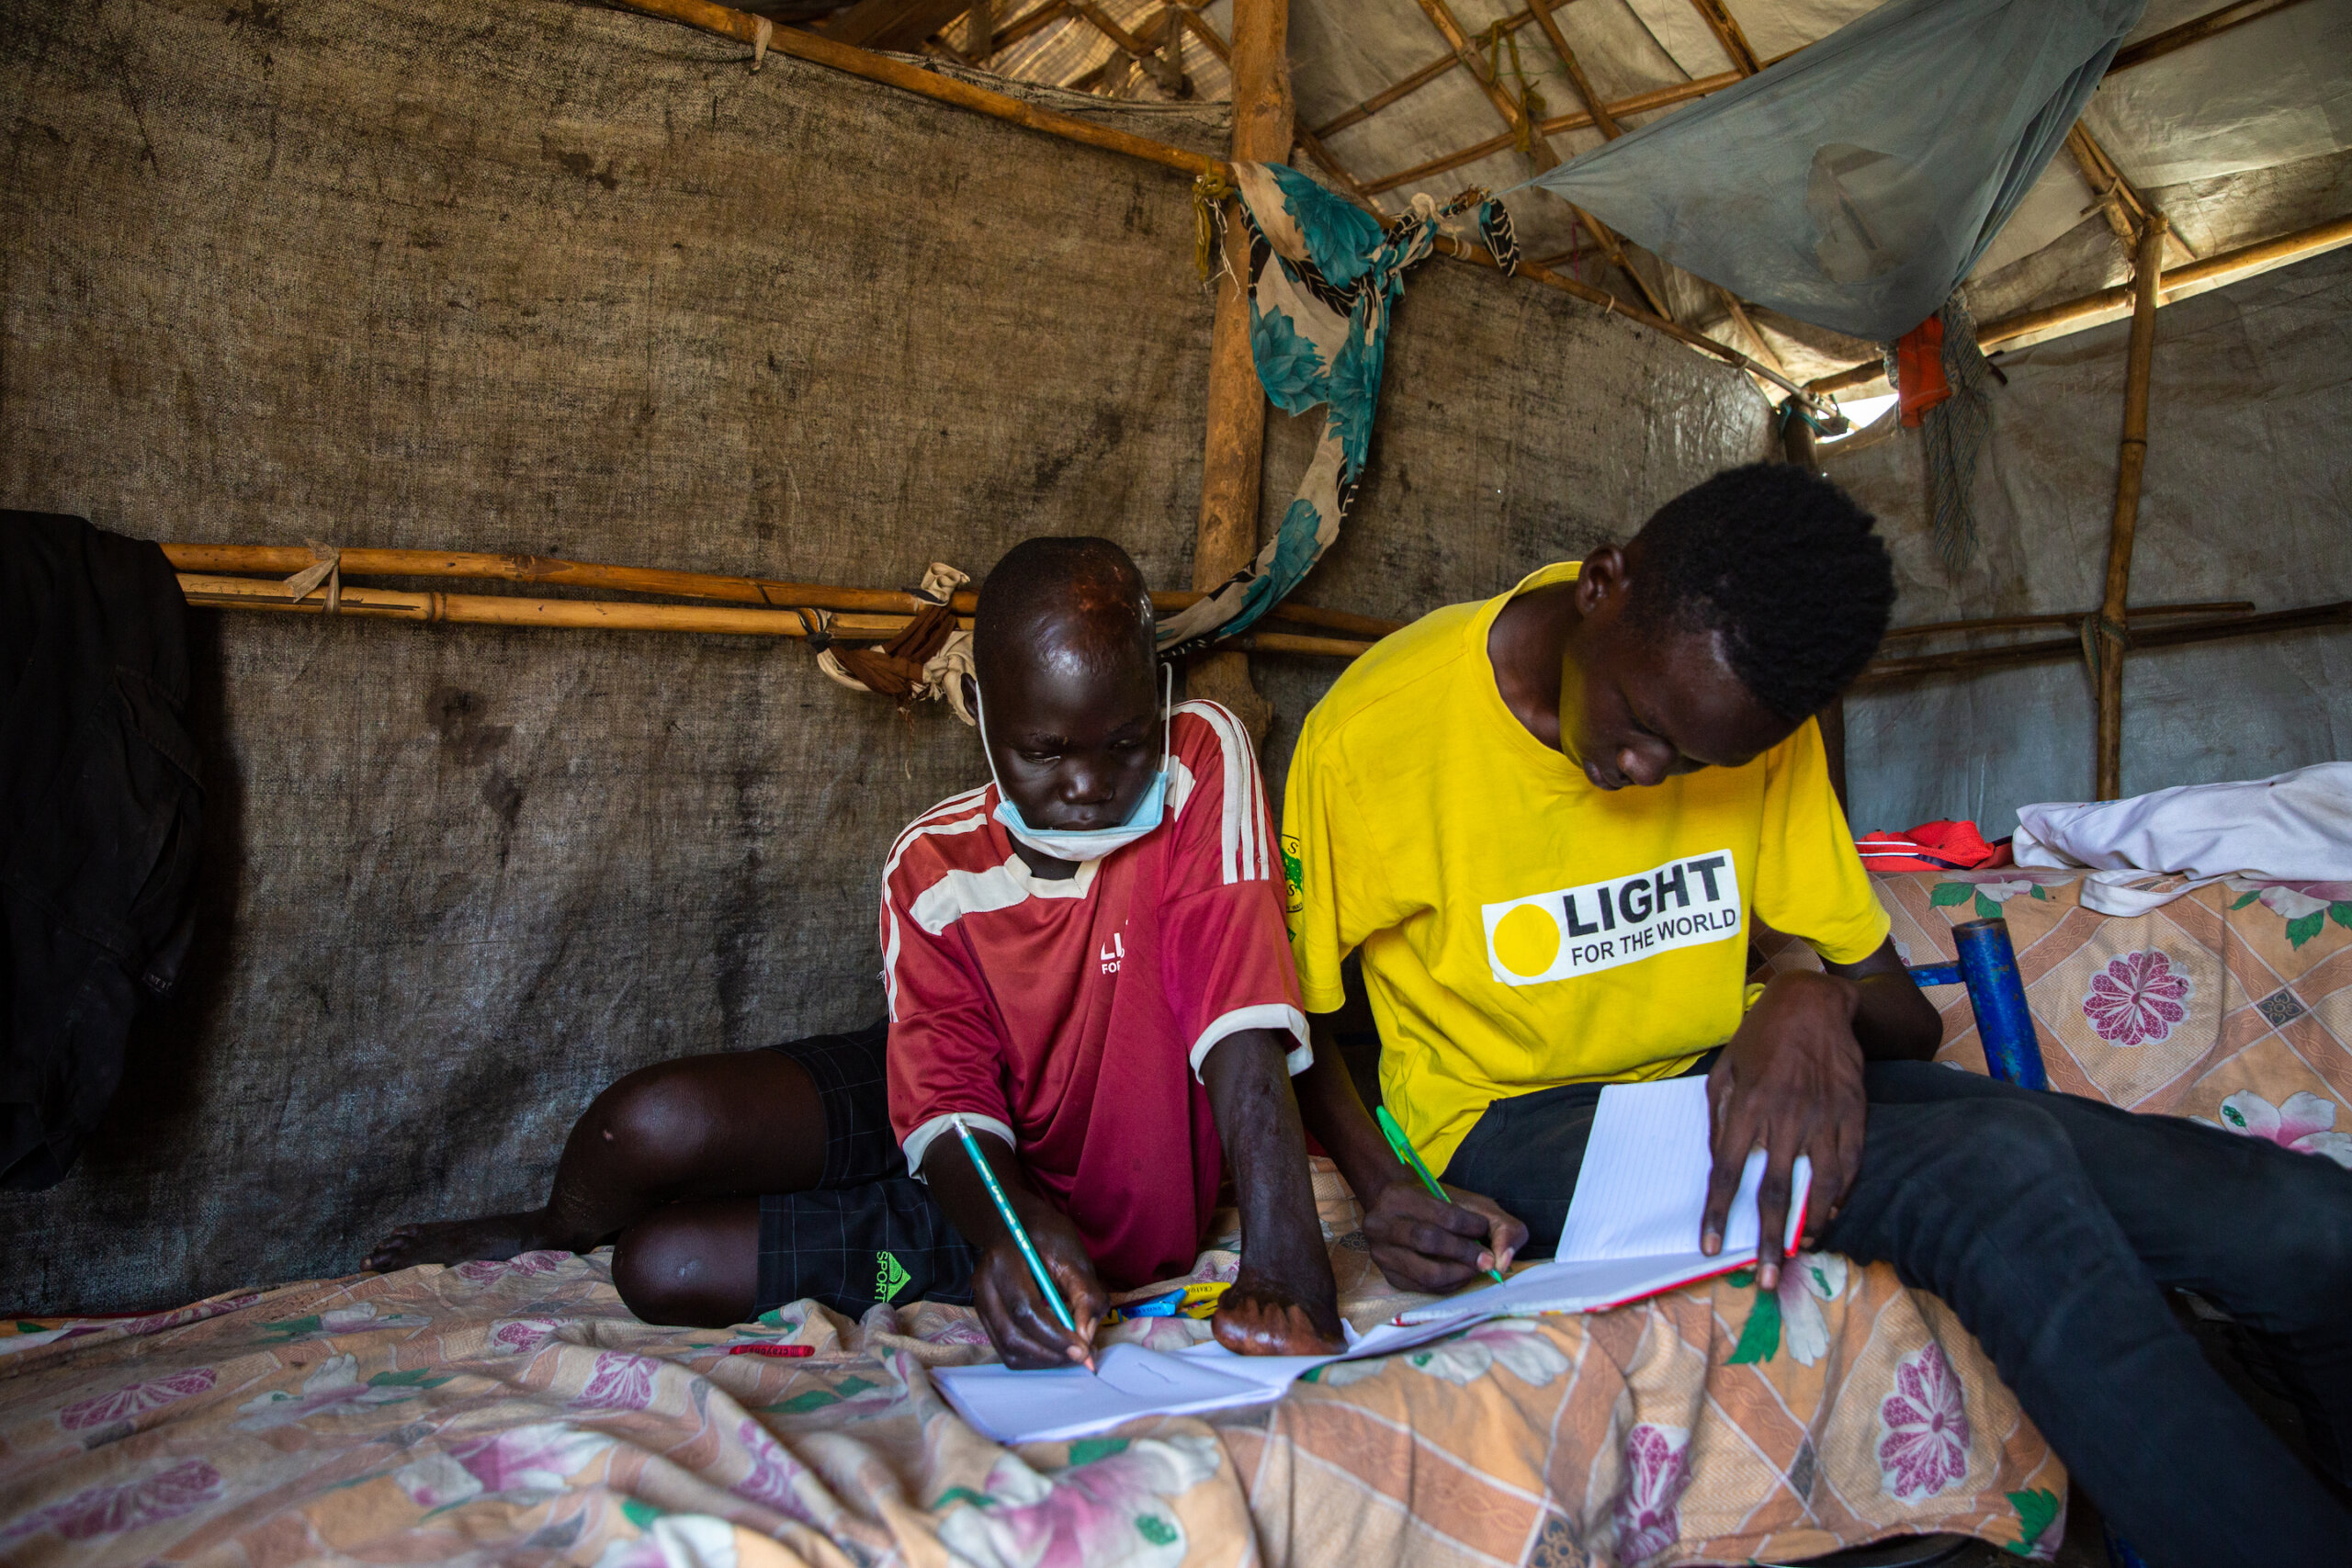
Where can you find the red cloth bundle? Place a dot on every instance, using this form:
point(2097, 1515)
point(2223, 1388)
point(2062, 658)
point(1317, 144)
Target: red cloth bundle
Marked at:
point(1932, 846)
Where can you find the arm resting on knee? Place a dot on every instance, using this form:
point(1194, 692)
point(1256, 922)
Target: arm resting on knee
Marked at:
point(1893, 1021)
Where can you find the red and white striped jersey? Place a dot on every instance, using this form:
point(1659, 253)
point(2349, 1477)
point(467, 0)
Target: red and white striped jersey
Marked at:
point(1072, 1017)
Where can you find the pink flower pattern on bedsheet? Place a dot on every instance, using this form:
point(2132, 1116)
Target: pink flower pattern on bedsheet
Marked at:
point(131, 1399)
point(1926, 1446)
point(772, 1474)
point(131, 1504)
point(520, 1335)
point(1107, 1513)
point(196, 1312)
point(538, 1457)
point(482, 1270)
point(620, 1382)
point(1657, 1468)
point(2304, 1123)
point(2137, 999)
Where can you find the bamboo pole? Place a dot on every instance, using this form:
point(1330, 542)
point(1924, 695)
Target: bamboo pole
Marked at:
point(508, 610)
point(1284, 642)
point(2070, 618)
point(1036, 19)
point(1538, 145)
point(2132, 456)
point(2097, 310)
point(284, 561)
point(749, 30)
point(1657, 98)
point(2195, 31)
point(208, 590)
point(1587, 93)
point(1409, 85)
point(1535, 272)
point(1233, 462)
point(2050, 650)
point(1725, 27)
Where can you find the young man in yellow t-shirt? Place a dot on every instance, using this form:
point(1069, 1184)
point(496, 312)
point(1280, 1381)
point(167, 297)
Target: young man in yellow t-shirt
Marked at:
point(1548, 822)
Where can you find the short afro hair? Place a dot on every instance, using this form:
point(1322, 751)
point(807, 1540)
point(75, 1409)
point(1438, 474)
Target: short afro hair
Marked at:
point(1088, 584)
point(1784, 564)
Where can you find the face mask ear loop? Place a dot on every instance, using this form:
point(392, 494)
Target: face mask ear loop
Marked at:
point(980, 723)
point(1167, 715)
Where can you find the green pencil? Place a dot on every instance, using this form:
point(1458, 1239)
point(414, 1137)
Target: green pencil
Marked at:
point(1396, 1136)
point(1013, 1223)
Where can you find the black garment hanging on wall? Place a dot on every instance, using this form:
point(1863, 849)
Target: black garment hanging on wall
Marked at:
point(100, 808)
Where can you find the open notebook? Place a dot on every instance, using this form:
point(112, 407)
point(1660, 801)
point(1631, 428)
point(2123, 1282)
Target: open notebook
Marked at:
point(1633, 1227)
point(1062, 1403)
point(1633, 1230)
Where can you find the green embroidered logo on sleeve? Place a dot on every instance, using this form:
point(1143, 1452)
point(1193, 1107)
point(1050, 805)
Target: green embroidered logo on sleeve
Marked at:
point(889, 1276)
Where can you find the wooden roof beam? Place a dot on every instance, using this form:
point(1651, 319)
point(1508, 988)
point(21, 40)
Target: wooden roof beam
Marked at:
point(1657, 98)
point(1525, 134)
point(1726, 27)
point(2097, 308)
point(891, 23)
point(1585, 95)
point(1033, 20)
point(2196, 30)
point(816, 48)
point(1410, 84)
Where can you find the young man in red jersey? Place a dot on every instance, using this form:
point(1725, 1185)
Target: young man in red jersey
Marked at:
point(1084, 960)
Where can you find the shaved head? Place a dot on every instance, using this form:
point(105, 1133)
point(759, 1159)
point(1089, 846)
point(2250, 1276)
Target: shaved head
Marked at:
point(1069, 685)
point(1063, 599)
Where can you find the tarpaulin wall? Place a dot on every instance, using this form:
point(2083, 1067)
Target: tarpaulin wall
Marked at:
point(2246, 496)
point(547, 278)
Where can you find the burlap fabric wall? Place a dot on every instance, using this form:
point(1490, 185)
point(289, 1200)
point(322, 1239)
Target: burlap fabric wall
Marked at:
point(539, 277)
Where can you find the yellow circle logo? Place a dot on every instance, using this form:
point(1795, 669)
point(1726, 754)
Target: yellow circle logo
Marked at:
point(1527, 941)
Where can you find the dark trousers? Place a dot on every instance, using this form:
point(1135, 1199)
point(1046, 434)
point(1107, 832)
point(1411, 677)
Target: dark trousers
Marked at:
point(2051, 1224)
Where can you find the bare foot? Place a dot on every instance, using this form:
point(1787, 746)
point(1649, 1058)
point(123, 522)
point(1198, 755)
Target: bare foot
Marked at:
point(1259, 1317)
point(495, 1237)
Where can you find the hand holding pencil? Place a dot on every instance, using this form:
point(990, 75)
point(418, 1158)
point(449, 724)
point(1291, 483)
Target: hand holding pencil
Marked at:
point(1424, 1234)
point(1035, 1287)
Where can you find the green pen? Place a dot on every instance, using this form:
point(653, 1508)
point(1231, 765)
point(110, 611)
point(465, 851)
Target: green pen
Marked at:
point(1396, 1136)
point(1013, 1223)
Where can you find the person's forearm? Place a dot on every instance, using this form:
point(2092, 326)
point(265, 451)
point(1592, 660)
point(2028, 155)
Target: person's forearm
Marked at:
point(1892, 1020)
point(1331, 1109)
point(1257, 1121)
point(957, 1184)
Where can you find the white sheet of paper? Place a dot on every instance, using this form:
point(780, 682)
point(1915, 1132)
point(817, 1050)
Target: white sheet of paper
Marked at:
point(1061, 1403)
point(1632, 1224)
point(1065, 1403)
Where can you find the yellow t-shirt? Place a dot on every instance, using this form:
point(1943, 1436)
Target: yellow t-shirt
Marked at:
point(1522, 929)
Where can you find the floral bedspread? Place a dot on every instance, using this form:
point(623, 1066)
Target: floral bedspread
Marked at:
point(515, 1413)
point(2232, 1004)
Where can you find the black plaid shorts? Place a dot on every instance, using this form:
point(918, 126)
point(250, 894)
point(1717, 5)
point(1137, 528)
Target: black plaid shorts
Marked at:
point(867, 1232)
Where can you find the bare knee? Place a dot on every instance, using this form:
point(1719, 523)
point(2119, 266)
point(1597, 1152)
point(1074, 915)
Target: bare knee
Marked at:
point(691, 1265)
point(655, 1122)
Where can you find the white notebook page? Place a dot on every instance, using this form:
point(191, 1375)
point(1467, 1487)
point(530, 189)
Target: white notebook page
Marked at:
point(1061, 1403)
point(1632, 1224)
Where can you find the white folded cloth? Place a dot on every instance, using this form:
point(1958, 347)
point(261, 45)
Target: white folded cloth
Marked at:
point(2296, 827)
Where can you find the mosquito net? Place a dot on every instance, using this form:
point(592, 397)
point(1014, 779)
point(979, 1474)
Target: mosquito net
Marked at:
point(1854, 184)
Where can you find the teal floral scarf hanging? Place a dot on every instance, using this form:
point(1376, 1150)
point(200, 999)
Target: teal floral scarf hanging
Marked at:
point(1324, 277)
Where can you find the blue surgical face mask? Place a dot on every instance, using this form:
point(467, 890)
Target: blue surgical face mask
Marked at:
point(1091, 843)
